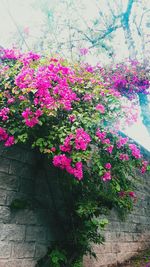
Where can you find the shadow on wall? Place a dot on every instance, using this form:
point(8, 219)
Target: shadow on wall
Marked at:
point(27, 208)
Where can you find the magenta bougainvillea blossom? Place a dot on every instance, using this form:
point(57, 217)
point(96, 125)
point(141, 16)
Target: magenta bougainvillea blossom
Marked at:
point(68, 110)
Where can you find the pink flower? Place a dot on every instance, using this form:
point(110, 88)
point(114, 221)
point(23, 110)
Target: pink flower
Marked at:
point(108, 166)
point(88, 97)
point(106, 176)
point(135, 151)
point(31, 122)
point(100, 135)
point(4, 113)
point(100, 108)
point(123, 157)
point(82, 139)
point(11, 100)
point(122, 141)
point(67, 146)
point(84, 51)
point(132, 194)
point(26, 113)
point(144, 166)
point(10, 54)
point(10, 141)
point(27, 58)
point(106, 141)
point(109, 149)
point(72, 118)
point(38, 113)
point(3, 134)
point(21, 97)
point(61, 161)
point(31, 118)
point(25, 78)
point(53, 149)
point(78, 172)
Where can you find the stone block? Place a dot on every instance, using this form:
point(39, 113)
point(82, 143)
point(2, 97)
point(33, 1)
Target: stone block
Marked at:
point(8, 182)
point(11, 263)
point(21, 169)
point(36, 233)
point(28, 263)
point(4, 165)
point(103, 249)
point(105, 260)
point(3, 196)
point(5, 214)
point(23, 250)
point(12, 232)
point(14, 152)
point(12, 195)
point(116, 247)
point(129, 237)
point(5, 250)
point(25, 217)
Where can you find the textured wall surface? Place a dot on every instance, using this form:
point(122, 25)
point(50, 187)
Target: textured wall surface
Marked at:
point(125, 239)
point(24, 233)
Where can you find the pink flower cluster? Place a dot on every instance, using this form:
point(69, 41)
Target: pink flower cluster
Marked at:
point(11, 100)
point(24, 78)
point(51, 84)
point(72, 118)
point(109, 149)
point(124, 157)
point(67, 147)
point(122, 141)
point(100, 135)
point(63, 162)
point(129, 79)
point(105, 141)
point(132, 194)
point(82, 139)
point(4, 113)
point(11, 54)
point(3, 134)
point(31, 118)
point(108, 166)
point(88, 97)
point(83, 51)
point(144, 166)
point(9, 140)
point(27, 58)
point(135, 151)
point(107, 176)
point(100, 108)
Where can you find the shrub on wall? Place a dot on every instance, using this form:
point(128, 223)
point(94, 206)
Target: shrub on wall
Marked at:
point(72, 114)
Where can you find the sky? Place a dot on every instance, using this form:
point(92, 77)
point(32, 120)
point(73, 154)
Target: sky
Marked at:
point(18, 14)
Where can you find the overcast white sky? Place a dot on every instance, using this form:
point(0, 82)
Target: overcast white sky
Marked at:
point(21, 13)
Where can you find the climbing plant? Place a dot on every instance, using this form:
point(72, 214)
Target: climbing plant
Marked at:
point(72, 113)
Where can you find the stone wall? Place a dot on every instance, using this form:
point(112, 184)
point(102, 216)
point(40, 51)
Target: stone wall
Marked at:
point(24, 233)
point(125, 239)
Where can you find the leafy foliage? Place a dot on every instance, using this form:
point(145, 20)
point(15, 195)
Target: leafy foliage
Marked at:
point(72, 114)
